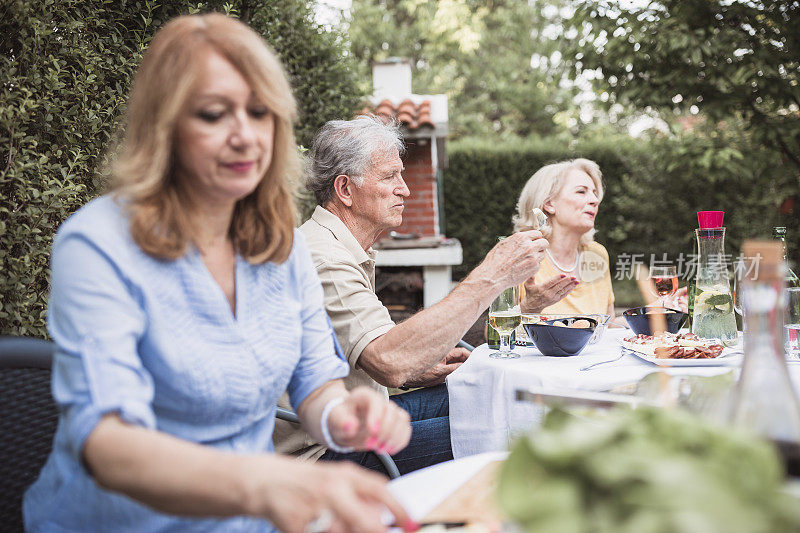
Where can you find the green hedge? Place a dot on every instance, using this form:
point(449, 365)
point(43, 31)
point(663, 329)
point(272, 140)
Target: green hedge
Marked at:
point(65, 68)
point(653, 190)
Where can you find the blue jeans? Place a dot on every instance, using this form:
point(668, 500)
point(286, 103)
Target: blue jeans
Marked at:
point(430, 433)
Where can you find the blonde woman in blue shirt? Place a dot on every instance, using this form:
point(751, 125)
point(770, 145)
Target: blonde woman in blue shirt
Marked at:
point(184, 304)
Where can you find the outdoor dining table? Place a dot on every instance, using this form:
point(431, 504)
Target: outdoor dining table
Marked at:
point(485, 416)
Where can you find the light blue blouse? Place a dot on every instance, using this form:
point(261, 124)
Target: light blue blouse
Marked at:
point(156, 342)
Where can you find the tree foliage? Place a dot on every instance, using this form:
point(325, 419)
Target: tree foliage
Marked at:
point(488, 57)
point(325, 78)
point(731, 61)
point(65, 70)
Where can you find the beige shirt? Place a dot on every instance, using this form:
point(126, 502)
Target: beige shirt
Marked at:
point(358, 316)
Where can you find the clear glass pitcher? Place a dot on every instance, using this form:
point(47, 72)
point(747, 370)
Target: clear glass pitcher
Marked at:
point(713, 299)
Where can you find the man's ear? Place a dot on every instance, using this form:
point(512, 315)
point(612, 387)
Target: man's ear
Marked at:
point(343, 189)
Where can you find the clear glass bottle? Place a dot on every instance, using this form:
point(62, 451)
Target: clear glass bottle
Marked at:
point(705, 220)
point(779, 234)
point(766, 402)
point(713, 300)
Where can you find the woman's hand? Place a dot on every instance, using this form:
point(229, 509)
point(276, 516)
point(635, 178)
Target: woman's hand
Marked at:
point(541, 295)
point(679, 301)
point(366, 420)
point(337, 497)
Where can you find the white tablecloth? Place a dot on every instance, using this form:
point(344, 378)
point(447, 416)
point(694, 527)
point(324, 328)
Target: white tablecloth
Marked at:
point(483, 413)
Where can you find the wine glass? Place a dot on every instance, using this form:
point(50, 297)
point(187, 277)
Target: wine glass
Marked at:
point(665, 279)
point(504, 317)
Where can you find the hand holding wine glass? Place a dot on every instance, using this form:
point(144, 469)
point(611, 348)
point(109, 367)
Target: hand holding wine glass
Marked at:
point(665, 280)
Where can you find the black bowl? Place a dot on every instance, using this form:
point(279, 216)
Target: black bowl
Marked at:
point(560, 341)
point(639, 320)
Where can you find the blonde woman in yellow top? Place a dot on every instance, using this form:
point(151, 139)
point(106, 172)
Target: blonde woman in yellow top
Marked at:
point(574, 276)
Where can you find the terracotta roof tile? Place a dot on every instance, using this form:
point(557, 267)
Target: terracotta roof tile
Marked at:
point(424, 114)
point(407, 113)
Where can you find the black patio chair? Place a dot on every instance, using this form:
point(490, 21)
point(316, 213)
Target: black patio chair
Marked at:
point(28, 419)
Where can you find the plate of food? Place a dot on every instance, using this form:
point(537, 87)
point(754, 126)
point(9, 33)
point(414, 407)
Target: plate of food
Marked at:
point(679, 349)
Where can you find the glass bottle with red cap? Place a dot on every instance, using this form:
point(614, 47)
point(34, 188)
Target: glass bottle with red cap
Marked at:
point(713, 299)
point(705, 219)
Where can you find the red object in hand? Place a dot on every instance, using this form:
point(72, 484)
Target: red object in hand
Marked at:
point(710, 219)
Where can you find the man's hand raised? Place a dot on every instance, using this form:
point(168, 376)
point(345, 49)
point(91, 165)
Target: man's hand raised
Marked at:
point(514, 259)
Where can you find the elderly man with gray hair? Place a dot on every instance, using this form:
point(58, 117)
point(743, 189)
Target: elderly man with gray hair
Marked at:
point(356, 176)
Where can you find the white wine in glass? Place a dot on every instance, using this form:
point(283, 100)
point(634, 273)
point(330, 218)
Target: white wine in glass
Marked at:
point(504, 316)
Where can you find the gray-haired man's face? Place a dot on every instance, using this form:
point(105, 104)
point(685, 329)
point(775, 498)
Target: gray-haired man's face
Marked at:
point(380, 200)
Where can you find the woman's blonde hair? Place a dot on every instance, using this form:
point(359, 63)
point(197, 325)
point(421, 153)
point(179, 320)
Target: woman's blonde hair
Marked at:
point(144, 171)
point(545, 185)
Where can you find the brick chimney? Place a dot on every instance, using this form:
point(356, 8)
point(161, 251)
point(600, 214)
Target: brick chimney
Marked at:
point(424, 122)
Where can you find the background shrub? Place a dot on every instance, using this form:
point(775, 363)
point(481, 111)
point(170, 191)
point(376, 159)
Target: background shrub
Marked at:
point(653, 190)
point(65, 69)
